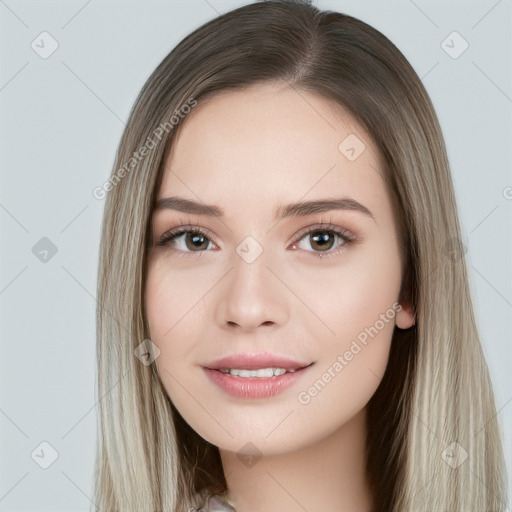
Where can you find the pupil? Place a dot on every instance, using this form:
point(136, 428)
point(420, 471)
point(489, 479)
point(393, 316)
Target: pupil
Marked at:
point(195, 238)
point(323, 238)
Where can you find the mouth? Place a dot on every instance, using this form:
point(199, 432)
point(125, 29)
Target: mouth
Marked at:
point(261, 361)
point(259, 373)
point(255, 376)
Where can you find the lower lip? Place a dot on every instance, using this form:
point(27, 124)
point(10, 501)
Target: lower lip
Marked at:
point(254, 387)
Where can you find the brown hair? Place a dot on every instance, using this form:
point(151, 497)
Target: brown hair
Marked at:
point(436, 389)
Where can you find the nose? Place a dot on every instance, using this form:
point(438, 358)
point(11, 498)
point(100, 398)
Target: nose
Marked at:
point(251, 296)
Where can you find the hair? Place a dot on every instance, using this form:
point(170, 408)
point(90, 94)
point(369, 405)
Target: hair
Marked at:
point(436, 389)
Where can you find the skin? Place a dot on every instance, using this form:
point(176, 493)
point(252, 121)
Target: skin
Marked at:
point(249, 152)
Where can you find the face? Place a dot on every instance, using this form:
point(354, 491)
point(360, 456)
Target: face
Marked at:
point(307, 288)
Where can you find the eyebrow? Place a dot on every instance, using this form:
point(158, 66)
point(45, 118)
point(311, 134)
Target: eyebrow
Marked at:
point(302, 208)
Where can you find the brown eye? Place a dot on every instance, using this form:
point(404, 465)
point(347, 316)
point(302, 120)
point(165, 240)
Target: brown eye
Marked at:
point(186, 240)
point(195, 241)
point(322, 240)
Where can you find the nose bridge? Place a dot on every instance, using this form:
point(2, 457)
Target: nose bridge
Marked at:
point(252, 295)
point(250, 262)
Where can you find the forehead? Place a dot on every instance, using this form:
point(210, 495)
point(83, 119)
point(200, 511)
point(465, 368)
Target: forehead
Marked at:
point(270, 140)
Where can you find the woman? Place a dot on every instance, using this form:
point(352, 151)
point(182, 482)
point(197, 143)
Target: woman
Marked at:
point(285, 317)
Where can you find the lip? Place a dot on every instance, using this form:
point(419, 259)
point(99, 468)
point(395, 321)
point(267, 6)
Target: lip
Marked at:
point(254, 361)
point(255, 387)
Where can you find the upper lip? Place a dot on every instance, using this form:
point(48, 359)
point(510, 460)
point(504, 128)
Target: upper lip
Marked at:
point(255, 361)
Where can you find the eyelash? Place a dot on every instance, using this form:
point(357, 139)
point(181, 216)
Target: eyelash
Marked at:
point(346, 236)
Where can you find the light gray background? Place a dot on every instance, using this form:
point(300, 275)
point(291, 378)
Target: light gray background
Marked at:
point(61, 119)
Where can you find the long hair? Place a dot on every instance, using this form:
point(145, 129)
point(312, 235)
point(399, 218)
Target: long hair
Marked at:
point(433, 441)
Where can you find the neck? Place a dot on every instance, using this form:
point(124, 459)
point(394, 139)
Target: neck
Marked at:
point(328, 475)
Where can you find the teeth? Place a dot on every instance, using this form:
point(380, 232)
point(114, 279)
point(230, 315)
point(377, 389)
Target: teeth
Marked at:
point(263, 372)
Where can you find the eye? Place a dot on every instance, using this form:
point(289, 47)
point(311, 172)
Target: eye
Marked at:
point(186, 239)
point(322, 238)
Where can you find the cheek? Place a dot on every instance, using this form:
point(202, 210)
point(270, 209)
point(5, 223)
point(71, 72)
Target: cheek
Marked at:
point(358, 303)
point(356, 294)
point(174, 311)
point(172, 297)
point(351, 364)
point(163, 305)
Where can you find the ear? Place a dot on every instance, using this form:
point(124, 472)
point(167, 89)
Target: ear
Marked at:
point(405, 317)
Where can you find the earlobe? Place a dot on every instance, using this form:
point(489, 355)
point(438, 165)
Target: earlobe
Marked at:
point(405, 318)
